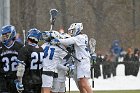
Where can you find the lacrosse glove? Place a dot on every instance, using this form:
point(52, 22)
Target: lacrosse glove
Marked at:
point(19, 85)
point(55, 42)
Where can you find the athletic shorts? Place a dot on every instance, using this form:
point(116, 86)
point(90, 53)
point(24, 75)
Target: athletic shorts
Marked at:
point(83, 68)
point(47, 81)
point(58, 86)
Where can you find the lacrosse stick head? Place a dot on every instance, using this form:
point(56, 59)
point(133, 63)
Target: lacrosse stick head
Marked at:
point(92, 43)
point(53, 14)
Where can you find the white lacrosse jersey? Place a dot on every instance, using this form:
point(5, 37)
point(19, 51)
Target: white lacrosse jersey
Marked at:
point(52, 56)
point(80, 44)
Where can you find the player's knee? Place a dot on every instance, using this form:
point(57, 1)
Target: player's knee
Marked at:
point(83, 85)
point(83, 82)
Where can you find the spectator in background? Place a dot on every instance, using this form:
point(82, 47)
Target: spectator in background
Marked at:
point(121, 57)
point(135, 64)
point(136, 55)
point(106, 67)
point(97, 70)
point(116, 48)
point(128, 60)
point(112, 63)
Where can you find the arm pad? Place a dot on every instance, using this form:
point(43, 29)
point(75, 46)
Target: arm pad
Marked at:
point(20, 69)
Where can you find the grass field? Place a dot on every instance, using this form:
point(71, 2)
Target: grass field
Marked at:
point(124, 91)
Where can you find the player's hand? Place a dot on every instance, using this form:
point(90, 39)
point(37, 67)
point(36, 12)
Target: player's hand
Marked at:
point(55, 42)
point(19, 85)
point(70, 73)
point(71, 68)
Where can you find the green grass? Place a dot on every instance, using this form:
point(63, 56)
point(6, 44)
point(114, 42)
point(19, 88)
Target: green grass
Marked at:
point(117, 91)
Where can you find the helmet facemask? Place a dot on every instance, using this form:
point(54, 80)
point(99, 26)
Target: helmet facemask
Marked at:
point(8, 34)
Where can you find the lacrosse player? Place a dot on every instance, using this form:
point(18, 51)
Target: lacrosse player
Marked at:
point(53, 56)
point(65, 68)
point(9, 50)
point(80, 42)
point(30, 63)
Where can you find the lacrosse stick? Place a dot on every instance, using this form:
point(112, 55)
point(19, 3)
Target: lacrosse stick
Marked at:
point(69, 53)
point(53, 14)
point(69, 80)
point(92, 43)
point(72, 59)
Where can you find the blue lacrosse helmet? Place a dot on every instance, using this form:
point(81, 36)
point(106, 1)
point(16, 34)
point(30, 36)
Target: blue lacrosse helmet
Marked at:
point(8, 33)
point(34, 34)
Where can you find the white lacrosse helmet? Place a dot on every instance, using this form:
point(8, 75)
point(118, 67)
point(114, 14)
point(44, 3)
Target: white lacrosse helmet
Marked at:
point(75, 28)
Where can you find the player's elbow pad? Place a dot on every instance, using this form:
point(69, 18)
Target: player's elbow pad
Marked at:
point(20, 70)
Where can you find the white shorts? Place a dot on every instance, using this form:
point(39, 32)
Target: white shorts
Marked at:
point(58, 86)
point(83, 68)
point(47, 81)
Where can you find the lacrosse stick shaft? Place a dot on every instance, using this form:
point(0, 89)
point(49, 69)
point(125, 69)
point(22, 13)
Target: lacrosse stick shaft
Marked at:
point(69, 53)
point(51, 27)
point(69, 82)
point(24, 37)
point(92, 44)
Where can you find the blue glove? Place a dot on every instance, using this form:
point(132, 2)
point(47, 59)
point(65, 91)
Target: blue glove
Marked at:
point(19, 85)
point(71, 68)
point(55, 42)
point(70, 73)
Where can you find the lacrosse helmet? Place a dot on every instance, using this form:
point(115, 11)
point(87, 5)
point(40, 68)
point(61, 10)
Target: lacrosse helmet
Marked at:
point(34, 34)
point(75, 28)
point(8, 34)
